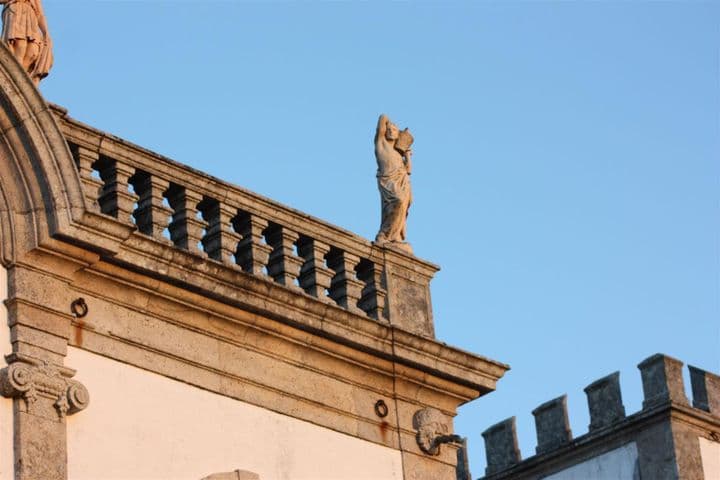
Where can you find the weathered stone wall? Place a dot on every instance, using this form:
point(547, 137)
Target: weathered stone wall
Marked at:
point(144, 425)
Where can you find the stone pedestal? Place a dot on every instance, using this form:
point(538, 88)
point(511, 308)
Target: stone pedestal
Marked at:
point(407, 279)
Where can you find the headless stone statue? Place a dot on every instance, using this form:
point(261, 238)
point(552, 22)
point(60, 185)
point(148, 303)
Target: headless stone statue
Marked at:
point(393, 154)
point(25, 33)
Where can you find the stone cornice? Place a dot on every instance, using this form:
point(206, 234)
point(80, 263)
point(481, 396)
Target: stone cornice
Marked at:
point(229, 287)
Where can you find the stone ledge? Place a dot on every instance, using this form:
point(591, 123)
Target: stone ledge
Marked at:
point(144, 261)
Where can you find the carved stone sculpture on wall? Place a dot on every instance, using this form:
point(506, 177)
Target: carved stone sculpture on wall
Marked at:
point(430, 425)
point(393, 155)
point(25, 32)
point(433, 430)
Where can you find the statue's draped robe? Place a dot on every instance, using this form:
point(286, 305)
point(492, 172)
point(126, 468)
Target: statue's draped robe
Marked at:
point(20, 21)
point(396, 197)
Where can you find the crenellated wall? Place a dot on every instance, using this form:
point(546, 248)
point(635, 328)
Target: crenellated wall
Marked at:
point(662, 441)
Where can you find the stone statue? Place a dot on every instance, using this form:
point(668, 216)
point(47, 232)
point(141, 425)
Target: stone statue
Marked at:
point(26, 34)
point(393, 154)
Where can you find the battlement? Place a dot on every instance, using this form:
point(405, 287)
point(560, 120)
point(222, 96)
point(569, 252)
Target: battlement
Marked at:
point(663, 388)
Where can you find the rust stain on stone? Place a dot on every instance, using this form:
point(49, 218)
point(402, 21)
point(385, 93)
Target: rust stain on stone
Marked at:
point(384, 430)
point(79, 324)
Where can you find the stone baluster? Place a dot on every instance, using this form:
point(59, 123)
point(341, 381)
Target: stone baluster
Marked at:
point(151, 216)
point(315, 276)
point(283, 265)
point(372, 299)
point(552, 425)
point(705, 389)
point(85, 160)
point(186, 229)
point(221, 241)
point(345, 288)
point(501, 446)
point(662, 381)
point(252, 252)
point(115, 199)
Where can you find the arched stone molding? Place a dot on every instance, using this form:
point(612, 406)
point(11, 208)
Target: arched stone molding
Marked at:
point(40, 190)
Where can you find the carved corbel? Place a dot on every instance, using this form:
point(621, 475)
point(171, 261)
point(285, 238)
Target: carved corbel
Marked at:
point(31, 380)
point(432, 431)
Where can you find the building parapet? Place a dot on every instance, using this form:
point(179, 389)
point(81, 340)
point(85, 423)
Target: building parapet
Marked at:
point(605, 402)
point(181, 207)
point(705, 389)
point(552, 425)
point(663, 387)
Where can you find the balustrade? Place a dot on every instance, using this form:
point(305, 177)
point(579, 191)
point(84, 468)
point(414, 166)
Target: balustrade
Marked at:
point(372, 300)
point(315, 276)
point(252, 252)
point(151, 215)
point(283, 264)
point(115, 198)
point(235, 227)
point(85, 159)
point(186, 229)
point(345, 288)
point(220, 240)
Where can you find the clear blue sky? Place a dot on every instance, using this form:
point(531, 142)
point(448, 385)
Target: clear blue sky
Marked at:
point(566, 168)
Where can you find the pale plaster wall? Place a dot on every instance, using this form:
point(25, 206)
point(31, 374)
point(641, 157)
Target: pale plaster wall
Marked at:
point(6, 405)
point(143, 426)
point(618, 464)
point(710, 454)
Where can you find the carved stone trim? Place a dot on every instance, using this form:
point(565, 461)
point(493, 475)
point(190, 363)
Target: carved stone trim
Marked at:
point(29, 379)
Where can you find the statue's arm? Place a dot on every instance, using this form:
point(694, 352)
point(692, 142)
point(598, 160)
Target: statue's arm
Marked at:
point(42, 23)
point(408, 161)
point(381, 128)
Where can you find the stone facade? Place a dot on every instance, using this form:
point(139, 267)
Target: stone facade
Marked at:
point(116, 254)
point(667, 440)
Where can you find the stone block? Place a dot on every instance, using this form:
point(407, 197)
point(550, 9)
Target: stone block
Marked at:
point(605, 402)
point(501, 446)
point(662, 381)
point(408, 293)
point(551, 425)
point(705, 390)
